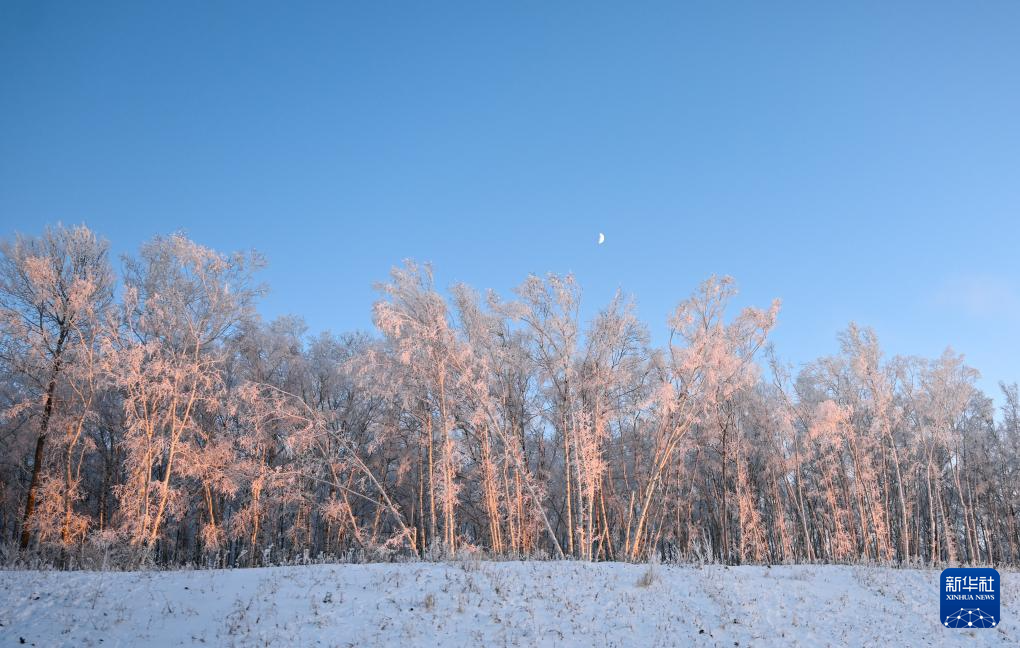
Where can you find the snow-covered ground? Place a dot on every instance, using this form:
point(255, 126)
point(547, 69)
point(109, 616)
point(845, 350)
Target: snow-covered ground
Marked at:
point(490, 604)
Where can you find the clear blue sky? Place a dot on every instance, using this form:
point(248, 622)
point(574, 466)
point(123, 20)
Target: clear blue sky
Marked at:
point(859, 160)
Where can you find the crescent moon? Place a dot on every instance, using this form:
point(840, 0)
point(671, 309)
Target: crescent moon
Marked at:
point(602, 238)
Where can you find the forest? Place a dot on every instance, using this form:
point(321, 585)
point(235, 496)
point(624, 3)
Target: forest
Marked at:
point(148, 415)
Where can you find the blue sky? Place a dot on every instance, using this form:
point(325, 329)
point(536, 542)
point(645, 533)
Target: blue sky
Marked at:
point(861, 161)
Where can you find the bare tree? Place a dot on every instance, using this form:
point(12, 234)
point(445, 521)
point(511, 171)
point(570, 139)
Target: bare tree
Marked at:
point(176, 426)
point(52, 289)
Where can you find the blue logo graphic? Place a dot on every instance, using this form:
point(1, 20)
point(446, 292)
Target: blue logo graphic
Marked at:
point(970, 598)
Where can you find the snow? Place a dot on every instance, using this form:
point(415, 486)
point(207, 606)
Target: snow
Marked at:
point(475, 603)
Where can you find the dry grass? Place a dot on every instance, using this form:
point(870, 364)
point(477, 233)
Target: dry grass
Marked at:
point(648, 577)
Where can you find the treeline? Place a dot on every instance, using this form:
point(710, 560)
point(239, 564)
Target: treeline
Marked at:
point(154, 415)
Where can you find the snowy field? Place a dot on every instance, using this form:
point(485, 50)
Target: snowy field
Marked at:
point(489, 604)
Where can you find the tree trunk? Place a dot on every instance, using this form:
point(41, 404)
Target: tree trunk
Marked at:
point(40, 444)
